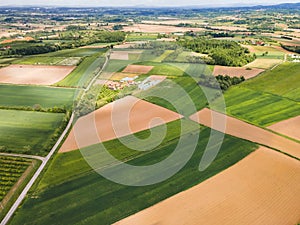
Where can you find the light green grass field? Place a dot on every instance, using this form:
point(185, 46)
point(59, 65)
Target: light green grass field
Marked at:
point(259, 108)
point(284, 80)
point(19, 96)
point(39, 60)
point(83, 73)
point(81, 196)
point(192, 94)
point(77, 52)
point(162, 69)
point(27, 132)
point(141, 37)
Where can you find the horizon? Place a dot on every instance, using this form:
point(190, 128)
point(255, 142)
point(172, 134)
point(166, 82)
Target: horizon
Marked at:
point(147, 3)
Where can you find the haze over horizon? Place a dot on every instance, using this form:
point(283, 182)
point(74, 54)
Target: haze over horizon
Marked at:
point(146, 3)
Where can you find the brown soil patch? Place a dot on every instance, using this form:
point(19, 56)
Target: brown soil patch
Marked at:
point(29, 74)
point(236, 71)
point(122, 55)
point(147, 28)
point(137, 69)
point(261, 189)
point(120, 118)
point(16, 39)
point(247, 131)
point(288, 127)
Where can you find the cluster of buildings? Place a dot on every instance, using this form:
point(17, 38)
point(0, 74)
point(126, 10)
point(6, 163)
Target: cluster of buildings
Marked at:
point(119, 85)
point(295, 58)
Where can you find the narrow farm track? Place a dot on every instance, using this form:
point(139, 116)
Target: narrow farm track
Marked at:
point(47, 158)
point(247, 131)
point(23, 156)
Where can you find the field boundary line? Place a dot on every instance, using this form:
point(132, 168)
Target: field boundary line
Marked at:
point(23, 156)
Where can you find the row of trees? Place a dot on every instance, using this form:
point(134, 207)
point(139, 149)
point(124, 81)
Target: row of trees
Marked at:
point(221, 52)
point(38, 47)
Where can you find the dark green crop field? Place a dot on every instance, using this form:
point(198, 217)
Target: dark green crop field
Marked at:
point(46, 97)
point(28, 132)
point(84, 197)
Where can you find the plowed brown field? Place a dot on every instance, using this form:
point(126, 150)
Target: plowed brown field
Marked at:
point(289, 127)
point(236, 71)
point(39, 75)
point(120, 118)
point(261, 189)
point(247, 131)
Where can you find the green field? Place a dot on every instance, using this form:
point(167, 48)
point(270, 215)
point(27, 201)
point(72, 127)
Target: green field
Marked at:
point(77, 52)
point(45, 60)
point(83, 73)
point(192, 94)
point(272, 53)
point(46, 97)
point(81, 196)
point(140, 37)
point(13, 170)
point(39, 60)
point(115, 65)
point(28, 132)
point(284, 80)
point(259, 108)
point(162, 69)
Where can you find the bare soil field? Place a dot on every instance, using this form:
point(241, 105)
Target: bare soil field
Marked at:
point(120, 118)
point(236, 71)
point(247, 131)
point(289, 127)
point(147, 28)
point(123, 55)
point(261, 189)
point(128, 44)
point(120, 76)
point(137, 69)
point(38, 75)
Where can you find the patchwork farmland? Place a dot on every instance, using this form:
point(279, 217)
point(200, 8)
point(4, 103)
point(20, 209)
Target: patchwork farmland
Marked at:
point(201, 106)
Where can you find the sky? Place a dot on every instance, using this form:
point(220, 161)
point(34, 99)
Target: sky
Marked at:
point(95, 3)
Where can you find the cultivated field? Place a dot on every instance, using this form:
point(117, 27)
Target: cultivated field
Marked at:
point(120, 76)
point(137, 69)
point(83, 73)
point(266, 182)
point(69, 177)
point(77, 52)
point(288, 127)
point(163, 69)
point(28, 132)
point(120, 118)
point(283, 80)
point(262, 63)
point(39, 60)
point(146, 28)
point(247, 131)
point(124, 55)
point(37, 75)
point(13, 175)
point(46, 97)
point(236, 71)
point(193, 93)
